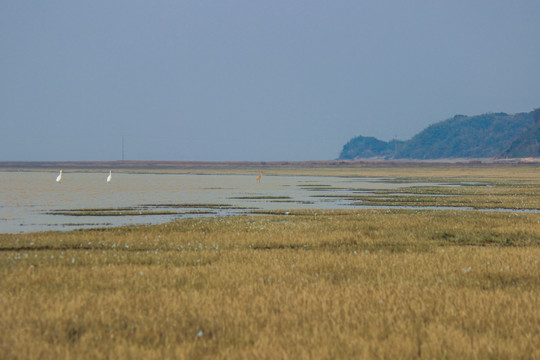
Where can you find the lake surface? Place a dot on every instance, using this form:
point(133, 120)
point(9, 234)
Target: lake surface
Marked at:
point(33, 201)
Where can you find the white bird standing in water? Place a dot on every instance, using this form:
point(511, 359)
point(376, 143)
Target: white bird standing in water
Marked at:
point(59, 177)
point(109, 177)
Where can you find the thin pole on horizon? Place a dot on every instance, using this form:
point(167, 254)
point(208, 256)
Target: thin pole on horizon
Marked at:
point(122, 148)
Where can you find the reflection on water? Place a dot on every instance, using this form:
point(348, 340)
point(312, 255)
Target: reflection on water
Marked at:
point(32, 201)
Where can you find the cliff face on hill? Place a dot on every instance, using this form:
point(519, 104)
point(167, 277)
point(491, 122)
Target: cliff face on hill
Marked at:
point(481, 136)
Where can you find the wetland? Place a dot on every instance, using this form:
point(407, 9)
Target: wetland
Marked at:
point(33, 201)
point(415, 262)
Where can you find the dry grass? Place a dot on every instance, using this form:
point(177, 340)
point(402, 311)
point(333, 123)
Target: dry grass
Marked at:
point(313, 284)
point(358, 284)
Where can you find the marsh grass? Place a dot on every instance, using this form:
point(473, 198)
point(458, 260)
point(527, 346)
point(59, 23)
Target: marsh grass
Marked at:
point(311, 284)
point(111, 212)
point(491, 195)
point(187, 206)
point(147, 209)
point(261, 197)
point(389, 283)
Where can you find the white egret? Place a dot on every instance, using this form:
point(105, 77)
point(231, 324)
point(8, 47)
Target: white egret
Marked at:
point(59, 177)
point(109, 177)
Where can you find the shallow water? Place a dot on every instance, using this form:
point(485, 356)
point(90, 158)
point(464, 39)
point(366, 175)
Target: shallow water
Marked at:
point(33, 201)
point(28, 198)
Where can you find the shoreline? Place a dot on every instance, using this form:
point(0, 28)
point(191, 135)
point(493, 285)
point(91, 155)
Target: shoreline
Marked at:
point(143, 165)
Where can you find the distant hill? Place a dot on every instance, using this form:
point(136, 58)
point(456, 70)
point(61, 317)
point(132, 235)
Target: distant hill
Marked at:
point(528, 143)
point(482, 136)
point(369, 147)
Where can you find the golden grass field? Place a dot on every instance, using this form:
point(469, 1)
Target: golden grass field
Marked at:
point(355, 284)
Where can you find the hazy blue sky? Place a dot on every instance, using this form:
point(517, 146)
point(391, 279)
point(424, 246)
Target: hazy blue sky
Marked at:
point(253, 80)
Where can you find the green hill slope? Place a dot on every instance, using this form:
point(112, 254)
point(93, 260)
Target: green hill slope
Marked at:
point(528, 143)
point(481, 136)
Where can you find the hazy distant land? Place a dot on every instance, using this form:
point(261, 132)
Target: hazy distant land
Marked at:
point(247, 167)
point(494, 135)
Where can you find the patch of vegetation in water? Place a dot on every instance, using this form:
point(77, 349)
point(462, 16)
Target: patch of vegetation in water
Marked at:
point(272, 212)
point(324, 188)
point(186, 206)
point(84, 224)
point(147, 210)
point(510, 196)
point(129, 208)
point(305, 202)
point(112, 213)
point(200, 212)
point(262, 197)
point(314, 185)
